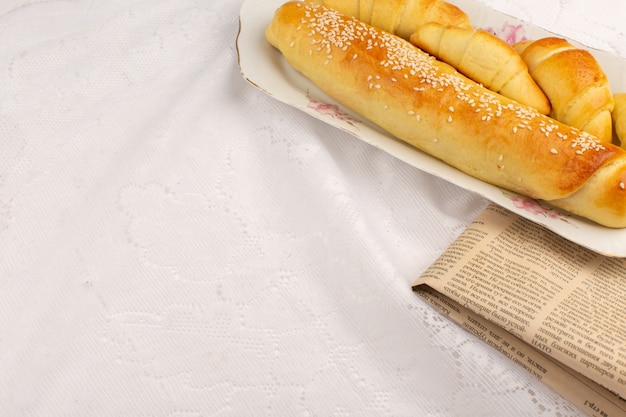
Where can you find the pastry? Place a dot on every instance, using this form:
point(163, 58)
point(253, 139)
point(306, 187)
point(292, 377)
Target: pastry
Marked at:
point(400, 17)
point(485, 58)
point(428, 104)
point(619, 118)
point(574, 82)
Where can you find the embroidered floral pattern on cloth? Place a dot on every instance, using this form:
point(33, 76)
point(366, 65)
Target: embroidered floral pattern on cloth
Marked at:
point(175, 243)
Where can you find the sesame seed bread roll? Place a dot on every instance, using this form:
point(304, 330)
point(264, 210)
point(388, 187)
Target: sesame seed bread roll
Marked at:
point(574, 82)
point(349, 7)
point(400, 17)
point(484, 58)
point(431, 106)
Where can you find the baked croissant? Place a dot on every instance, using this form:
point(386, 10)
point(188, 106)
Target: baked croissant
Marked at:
point(428, 104)
point(576, 85)
point(485, 58)
point(619, 118)
point(400, 17)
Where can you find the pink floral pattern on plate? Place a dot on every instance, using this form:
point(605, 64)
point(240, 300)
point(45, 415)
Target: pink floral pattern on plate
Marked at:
point(532, 206)
point(331, 110)
point(509, 33)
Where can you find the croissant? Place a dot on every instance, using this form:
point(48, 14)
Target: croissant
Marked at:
point(576, 85)
point(428, 104)
point(485, 58)
point(400, 17)
point(619, 118)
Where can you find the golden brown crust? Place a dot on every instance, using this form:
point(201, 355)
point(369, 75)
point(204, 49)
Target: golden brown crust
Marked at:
point(400, 17)
point(619, 118)
point(429, 105)
point(365, 9)
point(349, 7)
point(484, 58)
point(603, 198)
point(573, 80)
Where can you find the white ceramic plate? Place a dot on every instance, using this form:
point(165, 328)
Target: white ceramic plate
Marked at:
point(263, 66)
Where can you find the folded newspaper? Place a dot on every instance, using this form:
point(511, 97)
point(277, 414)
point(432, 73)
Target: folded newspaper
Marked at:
point(554, 307)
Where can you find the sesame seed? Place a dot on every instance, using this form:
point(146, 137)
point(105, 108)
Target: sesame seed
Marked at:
point(622, 186)
point(411, 112)
point(332, 34)
point(553, 151)
point(418, 117)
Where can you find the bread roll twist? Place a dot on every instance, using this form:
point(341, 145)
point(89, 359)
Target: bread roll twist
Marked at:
point(431, 106)
point(484, 58)
point(575, 83)
point(400, 17)
point(619, 118)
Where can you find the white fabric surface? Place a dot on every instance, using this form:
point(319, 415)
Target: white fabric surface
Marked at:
point(173, 242)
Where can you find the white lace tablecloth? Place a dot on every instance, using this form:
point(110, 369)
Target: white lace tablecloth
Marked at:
point(175, 243)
